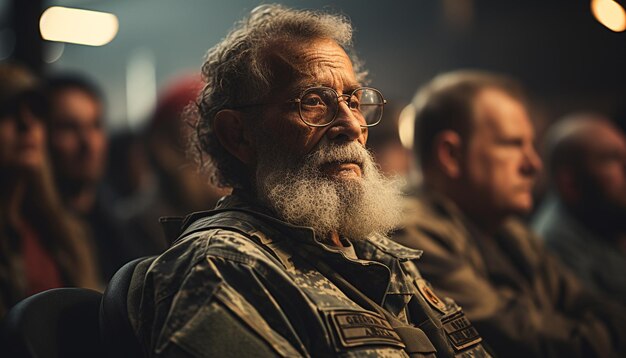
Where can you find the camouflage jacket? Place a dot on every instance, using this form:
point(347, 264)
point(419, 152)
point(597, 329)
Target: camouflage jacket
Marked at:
point(238, 283)
point(521, 299)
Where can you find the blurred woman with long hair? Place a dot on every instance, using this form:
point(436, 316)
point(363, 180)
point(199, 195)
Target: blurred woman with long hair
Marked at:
point(41, 246)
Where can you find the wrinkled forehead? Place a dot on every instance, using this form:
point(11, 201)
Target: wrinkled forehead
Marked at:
point(299, 65)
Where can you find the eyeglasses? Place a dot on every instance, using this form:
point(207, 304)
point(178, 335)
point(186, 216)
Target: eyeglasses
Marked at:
point(318, 106)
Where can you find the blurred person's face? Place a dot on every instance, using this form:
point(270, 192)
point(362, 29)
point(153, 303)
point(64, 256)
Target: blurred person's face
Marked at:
point(22, 140)
point(604, 167)
point(500, 163)
point(322, 177)
point(78, 142)
point(190, 191)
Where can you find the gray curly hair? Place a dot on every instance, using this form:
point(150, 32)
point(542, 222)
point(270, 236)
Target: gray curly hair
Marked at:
point(236, 72)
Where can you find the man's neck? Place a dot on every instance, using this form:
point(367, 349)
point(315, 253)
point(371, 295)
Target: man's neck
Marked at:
point(487, 223)
point(334, 239)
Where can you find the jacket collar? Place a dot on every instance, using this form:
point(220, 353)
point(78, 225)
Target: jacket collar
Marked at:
point(371, 252)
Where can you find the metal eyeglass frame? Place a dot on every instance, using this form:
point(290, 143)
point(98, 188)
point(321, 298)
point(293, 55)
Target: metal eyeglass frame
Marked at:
point(346, 98)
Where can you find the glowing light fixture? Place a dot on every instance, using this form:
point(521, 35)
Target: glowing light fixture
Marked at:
point(610, 14)
point(78, 26)
point(406, 125)
point(141, 87)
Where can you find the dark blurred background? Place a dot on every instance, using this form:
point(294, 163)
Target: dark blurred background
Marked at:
point(565, 57)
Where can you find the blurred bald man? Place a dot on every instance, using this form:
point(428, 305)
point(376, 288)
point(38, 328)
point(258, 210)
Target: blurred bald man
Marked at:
point(474, 140)
point(584, 219)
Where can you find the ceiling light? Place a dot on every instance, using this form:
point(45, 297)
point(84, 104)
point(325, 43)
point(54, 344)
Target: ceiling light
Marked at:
point(78, 26)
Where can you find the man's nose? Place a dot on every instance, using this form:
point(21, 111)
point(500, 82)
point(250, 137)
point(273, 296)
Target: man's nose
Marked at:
point(532, 163)
point(346, 126)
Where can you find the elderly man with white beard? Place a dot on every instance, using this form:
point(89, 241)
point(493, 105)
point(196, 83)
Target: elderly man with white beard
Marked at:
point(296, 262)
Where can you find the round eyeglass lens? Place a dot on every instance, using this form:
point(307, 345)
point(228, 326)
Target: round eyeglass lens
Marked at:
point(370, 105)
point(318, 106)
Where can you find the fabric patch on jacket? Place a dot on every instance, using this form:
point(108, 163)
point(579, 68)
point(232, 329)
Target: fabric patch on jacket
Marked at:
point(359, 328)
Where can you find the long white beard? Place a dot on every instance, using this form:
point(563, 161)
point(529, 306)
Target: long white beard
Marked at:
point(301, 195)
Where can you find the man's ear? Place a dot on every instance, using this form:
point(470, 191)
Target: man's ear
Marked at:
point(234, 135)
point(448, 153)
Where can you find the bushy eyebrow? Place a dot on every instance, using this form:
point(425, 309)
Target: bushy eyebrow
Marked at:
point(298, 89)
point(350, 88)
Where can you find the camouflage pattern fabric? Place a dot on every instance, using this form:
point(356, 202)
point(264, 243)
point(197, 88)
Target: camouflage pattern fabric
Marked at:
point(236, 284)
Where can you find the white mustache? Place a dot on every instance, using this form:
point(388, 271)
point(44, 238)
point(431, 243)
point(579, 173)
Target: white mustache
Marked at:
point(326, 152)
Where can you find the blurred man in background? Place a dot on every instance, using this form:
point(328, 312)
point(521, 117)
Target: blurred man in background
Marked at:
point(474, 142)
point(78, 148)
point(182, 189)
point(584, 219)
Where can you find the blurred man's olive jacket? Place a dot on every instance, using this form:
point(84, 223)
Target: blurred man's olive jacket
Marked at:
point(521, 299)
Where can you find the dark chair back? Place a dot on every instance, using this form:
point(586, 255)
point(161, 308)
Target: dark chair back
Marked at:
point(61, 322)
point(116, 331)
